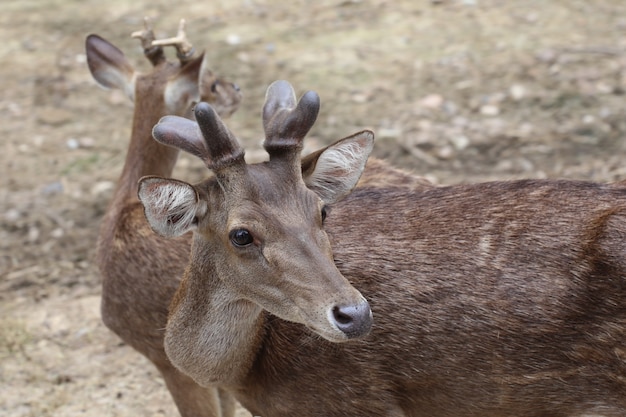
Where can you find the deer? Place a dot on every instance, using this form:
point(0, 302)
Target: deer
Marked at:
point(139, 270)
point(307, 294)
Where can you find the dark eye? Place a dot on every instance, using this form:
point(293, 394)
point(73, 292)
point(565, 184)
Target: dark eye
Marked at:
point(241, 237)
point(324, 213)
point(214, 87)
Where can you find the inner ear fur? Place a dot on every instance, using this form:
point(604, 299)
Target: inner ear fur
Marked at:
point(108, 65)
point(172, 207)
point(332, 172)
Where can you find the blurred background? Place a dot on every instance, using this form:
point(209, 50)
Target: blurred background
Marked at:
point(455, 90)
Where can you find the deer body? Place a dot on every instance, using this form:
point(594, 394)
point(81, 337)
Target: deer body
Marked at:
point(489, 300)
point(498, 299)
point(495, 299)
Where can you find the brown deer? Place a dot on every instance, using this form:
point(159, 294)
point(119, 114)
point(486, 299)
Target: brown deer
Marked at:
point(141, 271)
point(494, 299)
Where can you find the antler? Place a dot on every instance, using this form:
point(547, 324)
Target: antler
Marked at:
point(286, 122)
point(152, 52)
point(184, 49)
point(209, 139)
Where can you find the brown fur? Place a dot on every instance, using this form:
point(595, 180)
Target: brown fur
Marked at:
point(379, 174)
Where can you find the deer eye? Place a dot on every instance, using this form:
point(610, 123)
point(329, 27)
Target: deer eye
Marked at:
point(241, 237)
point(324, 213)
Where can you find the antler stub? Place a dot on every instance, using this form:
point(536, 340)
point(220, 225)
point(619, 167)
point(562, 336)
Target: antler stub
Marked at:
point(223, 147)
point(184, 49)
point(180, 133)
point(286, 122)
point(154, 53)
point(209, 139)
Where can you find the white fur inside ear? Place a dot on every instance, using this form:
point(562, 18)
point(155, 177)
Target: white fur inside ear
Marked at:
point(340, 166)
point(171, 206)
point(179, 94)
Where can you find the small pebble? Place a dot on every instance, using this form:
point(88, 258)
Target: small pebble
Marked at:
point(72, 144)
point(52, 188)
point(233, 39)
point(489, 110)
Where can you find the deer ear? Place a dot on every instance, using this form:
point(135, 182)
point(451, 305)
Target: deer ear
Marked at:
point(333, 172)
point(109, 66)
point(172, 207)
point(182, 89)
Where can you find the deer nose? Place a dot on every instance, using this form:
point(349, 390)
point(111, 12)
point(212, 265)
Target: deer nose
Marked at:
point(353, 320)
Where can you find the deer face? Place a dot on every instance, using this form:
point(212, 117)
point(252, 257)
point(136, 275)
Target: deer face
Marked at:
point(259, 228)
point(278, 256)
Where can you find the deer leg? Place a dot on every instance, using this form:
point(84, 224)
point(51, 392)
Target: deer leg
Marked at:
point(194, 400)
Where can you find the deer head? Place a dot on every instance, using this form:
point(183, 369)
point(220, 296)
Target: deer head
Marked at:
point(180, 84)
point(259, 227)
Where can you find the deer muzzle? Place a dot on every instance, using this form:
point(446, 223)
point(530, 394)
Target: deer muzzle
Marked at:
point(353, 320)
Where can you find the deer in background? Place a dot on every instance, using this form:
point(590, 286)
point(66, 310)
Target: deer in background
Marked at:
point(141, 271)
point(493, 299)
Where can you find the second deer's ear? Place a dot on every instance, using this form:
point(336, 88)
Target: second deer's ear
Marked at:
point(182, 89)
point(171, 207)
point(333, 172)
point(108, 65)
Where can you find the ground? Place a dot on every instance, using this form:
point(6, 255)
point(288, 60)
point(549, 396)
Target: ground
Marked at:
point(456, 90)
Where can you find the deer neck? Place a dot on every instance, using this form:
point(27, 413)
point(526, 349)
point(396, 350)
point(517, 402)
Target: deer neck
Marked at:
point(213, 334)
point(145, 155)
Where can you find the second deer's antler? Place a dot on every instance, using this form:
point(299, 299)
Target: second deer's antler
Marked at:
point(154, 53)
point(184, 49)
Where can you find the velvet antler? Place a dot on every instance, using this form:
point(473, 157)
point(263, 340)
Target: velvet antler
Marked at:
point(209, 139)
point(286, 121)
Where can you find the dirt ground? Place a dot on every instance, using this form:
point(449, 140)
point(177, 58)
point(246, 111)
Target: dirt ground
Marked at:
point(456, 90)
